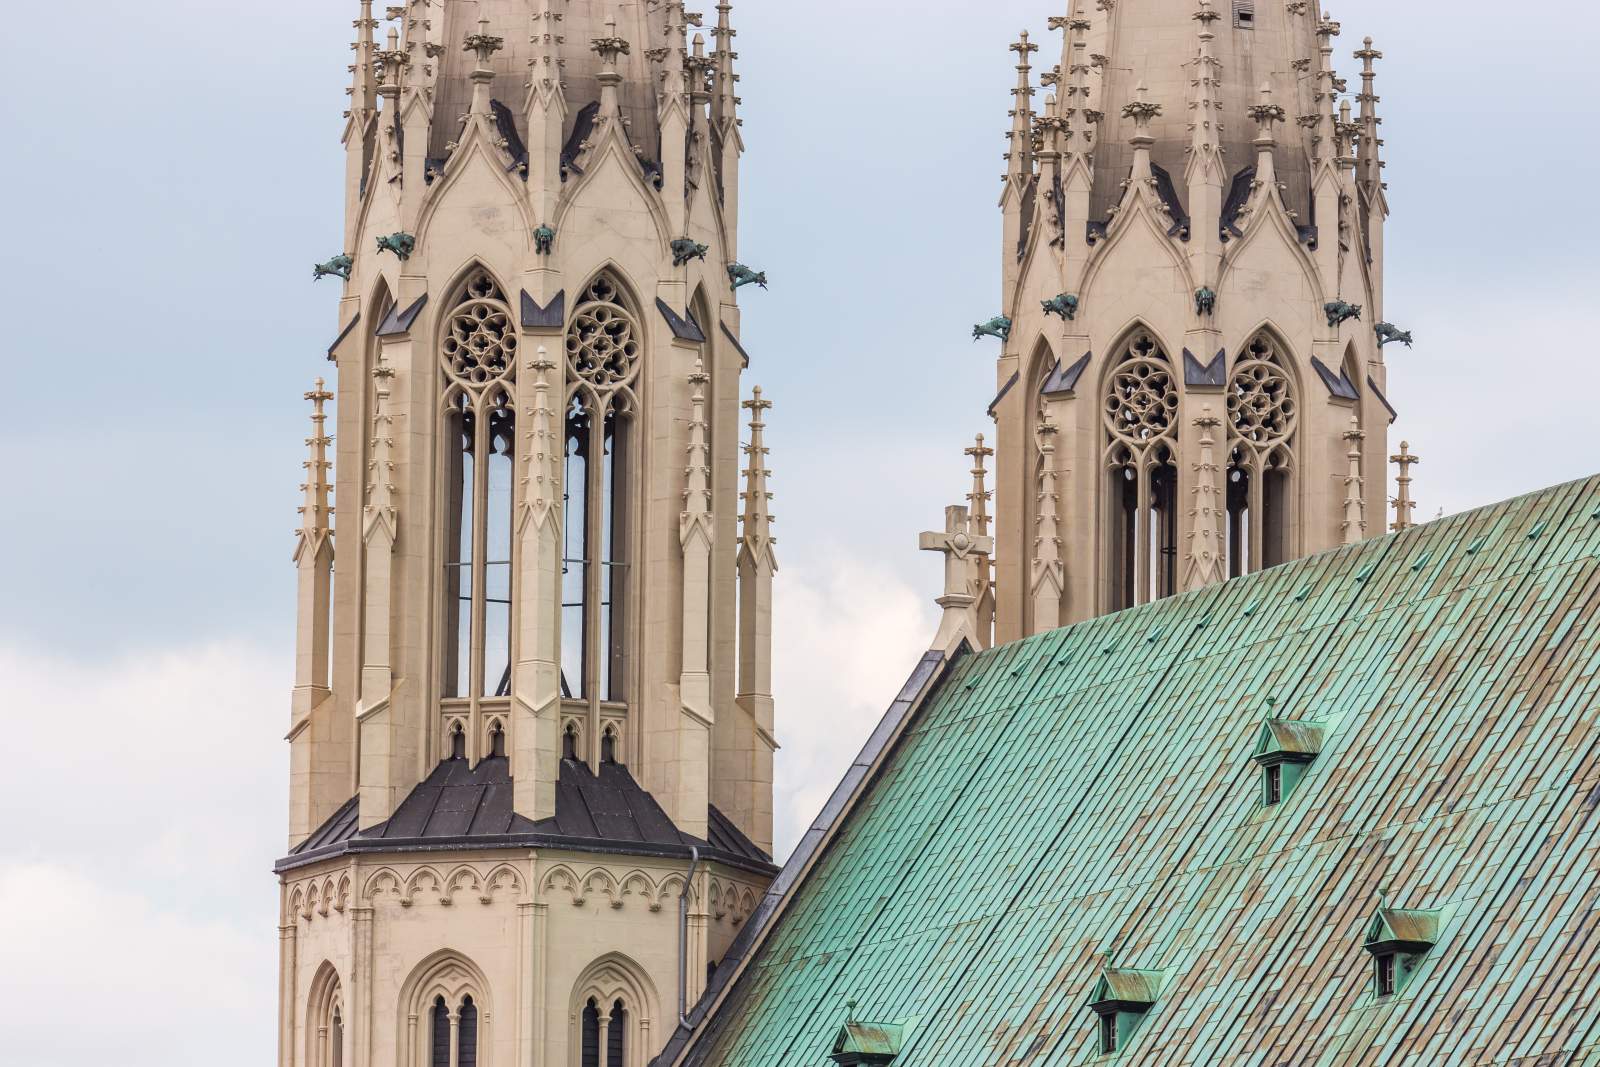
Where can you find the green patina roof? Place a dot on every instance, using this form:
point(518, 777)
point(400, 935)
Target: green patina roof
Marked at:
point(1404, 925)
point(1091, 790)
point(1127, 987)
point(872, 1039)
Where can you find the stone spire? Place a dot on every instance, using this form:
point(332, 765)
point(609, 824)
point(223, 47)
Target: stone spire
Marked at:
point(546, 110)
point(1049, 572)
point(757, 565)
point(696, 535)
point(610, 48)
point(380, 532)
point(1404, 507)
point(1083, 121)
point(1355, 507)
point(1370, 154)
point(1142, 111)
point(314, 558)
point(1321, 121)
point(1205, 124)
point(1019, 156)
point(1267, 115)
point(1204, 564)
point(484, 45)
point(536, 679)
point(978, 516)
point(364, 87)
point(725, 106)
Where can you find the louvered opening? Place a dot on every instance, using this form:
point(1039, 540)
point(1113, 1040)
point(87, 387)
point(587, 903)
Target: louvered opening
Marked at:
point(1244, 14)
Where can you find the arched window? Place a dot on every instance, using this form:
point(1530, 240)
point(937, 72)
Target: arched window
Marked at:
point(439, 1042)
point(1141, 421)
point(604, 350)
point(478, 358)
point(497, 741)
point(453, 1030)
point(327, 1020)
point(612, 1008)
point(1262, 418)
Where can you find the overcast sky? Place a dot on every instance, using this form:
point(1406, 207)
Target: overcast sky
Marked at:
point(172, 172)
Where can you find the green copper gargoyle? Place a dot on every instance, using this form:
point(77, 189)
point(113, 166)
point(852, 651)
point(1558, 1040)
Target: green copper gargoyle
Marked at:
point(999, 326)
point(337, 267)
point(742, 275)
point(1388, 332)
point(1065, 305)
point(1205, 301)
point(401, 244)
point(1338, 311)
point(544, 240)
point(684, 249)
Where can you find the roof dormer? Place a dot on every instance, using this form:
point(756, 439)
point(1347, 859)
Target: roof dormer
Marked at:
point(1121, 999)
point(1398, 939)
point(1283, 752)
point(870, 1044)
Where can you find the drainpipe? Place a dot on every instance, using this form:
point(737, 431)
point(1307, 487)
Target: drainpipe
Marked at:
point(683, 939)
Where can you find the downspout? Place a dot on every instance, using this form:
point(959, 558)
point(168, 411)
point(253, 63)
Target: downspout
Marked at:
point(683, 938)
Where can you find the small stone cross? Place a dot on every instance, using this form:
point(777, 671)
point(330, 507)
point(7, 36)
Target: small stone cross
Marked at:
point(962, 551)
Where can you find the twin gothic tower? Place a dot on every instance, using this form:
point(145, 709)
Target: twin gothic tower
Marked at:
point(1191, 385)
point(532, 729)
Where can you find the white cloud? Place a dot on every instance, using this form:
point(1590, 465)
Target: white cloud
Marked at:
point(145, 802)
point(845, 639)
point(99, 973)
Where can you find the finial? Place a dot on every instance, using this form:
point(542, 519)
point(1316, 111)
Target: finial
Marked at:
point(725, 108)
point(1141, 111)
point(611, 48)
point(364, 88)
point(1206, 540)
point(1404, 506)
point(316, 512)
point(757, 519)
point(1204, 130)
point(1369, 156)
point(484, 45)
point(697, 488)
point(1019, 155)
point(392, 62)
point(1355, 506)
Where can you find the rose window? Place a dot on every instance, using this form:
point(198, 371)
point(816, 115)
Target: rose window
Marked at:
point(1142, 403)
point(480, 342)
point(603, 343)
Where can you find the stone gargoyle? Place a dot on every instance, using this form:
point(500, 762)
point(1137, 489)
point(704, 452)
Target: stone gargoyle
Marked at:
point(999, 326)
point(684, 249)
point(401, 244)
point(742, 276)
point(337, 267)
point(1338, 311)
point(1065, 305)
point(1388, 332)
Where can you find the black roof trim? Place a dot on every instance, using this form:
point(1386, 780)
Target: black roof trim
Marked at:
point(552, 317)
point(684, 328)
point(461, 807)
point(399, 322)
point(1064, 382)
point(337, 341)
point(1339, 384)
point(1238, 197)
point(1205, 375)
point(736, 345)
point(1393, 414)
point(1012, 384)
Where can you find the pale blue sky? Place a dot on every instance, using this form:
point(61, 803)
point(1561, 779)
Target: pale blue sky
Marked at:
point(173, 171)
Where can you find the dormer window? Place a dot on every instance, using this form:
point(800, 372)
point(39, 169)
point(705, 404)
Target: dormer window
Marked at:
point(1284, 750)
point(868, 1044)
point(1121, 999)
point(1398, 939)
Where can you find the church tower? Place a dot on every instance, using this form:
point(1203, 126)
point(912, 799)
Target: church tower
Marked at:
point(1191, 378)
point(532, 727)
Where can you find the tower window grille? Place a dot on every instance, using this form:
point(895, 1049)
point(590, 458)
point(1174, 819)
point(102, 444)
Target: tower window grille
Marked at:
point(1141, 422)
point(604, 355)
point(1244, 14)
point(1263, 417)
point(478, 365)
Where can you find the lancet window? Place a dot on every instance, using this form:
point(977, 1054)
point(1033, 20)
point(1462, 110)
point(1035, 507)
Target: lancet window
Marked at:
point(1141, 423)
point(604, 1038)
point(1262, 419)
point(604, 354)
point(478, 361)
point(453, 1034)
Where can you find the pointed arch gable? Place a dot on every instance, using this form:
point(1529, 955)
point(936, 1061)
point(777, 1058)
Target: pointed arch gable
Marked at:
point(1272, 219)
point(1278, 338)
point(1106, 250)
point(1114, 354)
point(447, 973)
point(612, 157)
point(457, 169)
point(613, 979)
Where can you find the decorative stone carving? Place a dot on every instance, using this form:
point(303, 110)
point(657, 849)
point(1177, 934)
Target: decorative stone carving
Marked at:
point(999, 326)
point(337, 267)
